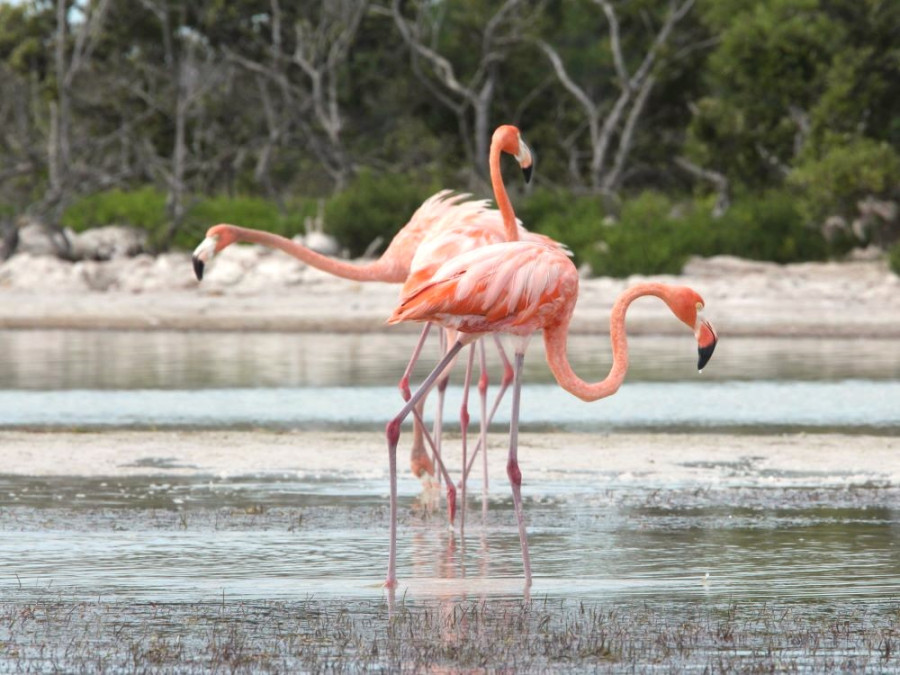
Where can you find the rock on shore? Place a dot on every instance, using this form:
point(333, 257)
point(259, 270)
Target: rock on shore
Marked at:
point(251, 288)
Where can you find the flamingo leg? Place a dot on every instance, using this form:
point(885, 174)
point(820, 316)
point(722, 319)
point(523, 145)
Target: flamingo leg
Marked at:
point(504, 385)
point(437, 430)
point(512, 466)
point(419, 461)
point(482, 436)
point(464, 430)
point(403, 385)
point(392, 432)
point(451, 488)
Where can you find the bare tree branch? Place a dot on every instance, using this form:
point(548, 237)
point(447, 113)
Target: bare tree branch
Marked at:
point(615, 42)
point(718, 180)
point(612, 179)
point(617, 123)
point(478, 92)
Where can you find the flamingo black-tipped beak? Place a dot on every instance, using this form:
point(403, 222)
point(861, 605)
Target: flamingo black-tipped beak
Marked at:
point(203, 254)
point(706, 343)
point(527, 171)
point(525, 157)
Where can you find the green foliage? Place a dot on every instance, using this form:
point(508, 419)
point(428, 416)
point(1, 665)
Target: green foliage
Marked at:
point(374, 205)
point(145, 208)
point(656, 235)
point(894, 258)
point(648, 239)
point(575, 221)
point(756, 90)
point(847, 171)
point(766, 226)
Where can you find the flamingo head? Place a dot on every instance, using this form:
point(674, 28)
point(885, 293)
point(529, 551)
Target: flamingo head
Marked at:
point(687, 305)
point(509, 139)
point(217, 238)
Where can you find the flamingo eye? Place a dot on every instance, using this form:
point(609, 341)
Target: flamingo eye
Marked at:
point(699, 306)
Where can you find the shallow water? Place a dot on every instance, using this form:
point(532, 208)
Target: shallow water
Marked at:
point(119, 360)
point(153, 555)
point(749, 406)
point(85, 379)
point(188, 540)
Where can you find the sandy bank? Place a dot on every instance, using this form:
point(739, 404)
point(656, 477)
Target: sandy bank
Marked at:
point(624, 459)
point(253, 289)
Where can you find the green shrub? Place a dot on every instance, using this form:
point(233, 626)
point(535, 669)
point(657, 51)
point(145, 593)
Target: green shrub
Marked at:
point(655, 234)
point(845, 172)
point(894, 258)
point(575, 221)
point(766, 226)
point(374, 205)
point(646, 240)
point(144, 208)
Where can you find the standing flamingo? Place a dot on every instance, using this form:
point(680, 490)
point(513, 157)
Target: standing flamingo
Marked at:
point(464, 224)
point(519, 288)
point(457, 238)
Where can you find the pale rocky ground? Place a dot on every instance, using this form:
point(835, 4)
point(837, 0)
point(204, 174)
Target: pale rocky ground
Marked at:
point(620, 459)
point(249, 288)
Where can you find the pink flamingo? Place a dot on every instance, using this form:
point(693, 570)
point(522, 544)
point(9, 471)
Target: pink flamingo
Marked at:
point(519, 288)
point(445, 213)
point(459, 237)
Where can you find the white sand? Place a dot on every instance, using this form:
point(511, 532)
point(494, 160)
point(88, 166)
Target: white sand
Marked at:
point(253, 289)
point(624, 459)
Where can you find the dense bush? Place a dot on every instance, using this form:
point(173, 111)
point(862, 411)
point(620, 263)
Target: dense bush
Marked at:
point(652, 234)
point(145, 208)
point(847, 171)
point(374, 205)
point(655, 234)
point(766, 226)
point(894, 258)
point(577, 222)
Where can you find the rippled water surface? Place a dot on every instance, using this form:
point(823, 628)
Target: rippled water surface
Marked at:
point(808, 543)
point(70, 378)
point(190, 540)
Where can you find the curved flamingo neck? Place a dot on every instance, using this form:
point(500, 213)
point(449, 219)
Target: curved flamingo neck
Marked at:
point(558, 360)
point(379, 270)
point(500, 196)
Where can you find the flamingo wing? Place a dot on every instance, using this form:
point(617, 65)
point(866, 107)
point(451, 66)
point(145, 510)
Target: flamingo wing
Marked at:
point(512, 286)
